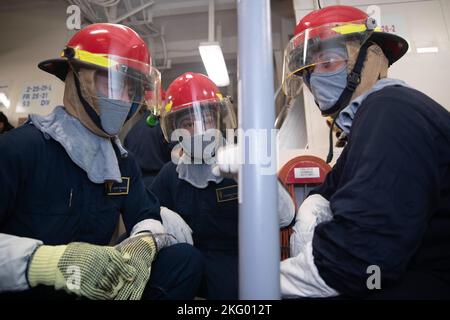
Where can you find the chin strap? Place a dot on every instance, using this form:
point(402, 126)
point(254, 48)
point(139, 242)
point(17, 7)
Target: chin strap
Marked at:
point(353, 81)
point(330, 146)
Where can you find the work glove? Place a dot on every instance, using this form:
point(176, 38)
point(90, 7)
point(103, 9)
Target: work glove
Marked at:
point(91, 271)
point(176, 226)
point(228, 162)
point(142, 249)
point(314, 210)
point(156, 228)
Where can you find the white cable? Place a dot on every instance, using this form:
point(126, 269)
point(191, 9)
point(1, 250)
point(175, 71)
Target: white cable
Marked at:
point(87, 10)
point(277, 92)
point(106, 3)
point(144, 12)
point(128, 7)
point(164, 45)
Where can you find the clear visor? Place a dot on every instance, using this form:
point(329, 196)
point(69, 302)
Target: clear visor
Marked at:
point(122, 80)
point(322, 49)
point(198, 118)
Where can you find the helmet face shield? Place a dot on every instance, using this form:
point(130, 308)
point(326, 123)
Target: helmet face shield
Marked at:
point(152, 91)
point(321, 49)
point(119, 79)
point(198, 118)
point(116, 87)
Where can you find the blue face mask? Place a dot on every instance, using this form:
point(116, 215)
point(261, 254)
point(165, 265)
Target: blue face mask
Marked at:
point(113, 114)
point(328, 87)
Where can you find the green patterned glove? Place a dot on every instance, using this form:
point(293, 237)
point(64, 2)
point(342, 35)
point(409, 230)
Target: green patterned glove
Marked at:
point(94, 272)
point(142, 250)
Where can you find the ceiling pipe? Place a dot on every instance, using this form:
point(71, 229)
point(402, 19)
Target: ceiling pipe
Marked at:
point(211, 9)
point(134, 11)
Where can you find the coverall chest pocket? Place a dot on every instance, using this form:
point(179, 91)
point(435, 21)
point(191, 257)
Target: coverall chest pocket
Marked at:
point(52, 202)
point(53, 218)
point(52, 192)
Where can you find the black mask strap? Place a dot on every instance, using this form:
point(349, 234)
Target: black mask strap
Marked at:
point(353, 81)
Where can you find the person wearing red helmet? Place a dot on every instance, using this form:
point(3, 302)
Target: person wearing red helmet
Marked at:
point(378, 226)
point(197, 115)
point(65, 179)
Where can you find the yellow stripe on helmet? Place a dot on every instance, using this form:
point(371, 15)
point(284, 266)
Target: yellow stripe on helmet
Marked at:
point(352, 28)
point(101, 60)
point(169, 106)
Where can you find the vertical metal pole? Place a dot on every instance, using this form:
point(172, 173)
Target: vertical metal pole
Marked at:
point(259, 251)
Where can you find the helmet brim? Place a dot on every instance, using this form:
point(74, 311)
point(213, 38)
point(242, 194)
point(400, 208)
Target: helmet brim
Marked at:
point(393, 46)
point(57, 67)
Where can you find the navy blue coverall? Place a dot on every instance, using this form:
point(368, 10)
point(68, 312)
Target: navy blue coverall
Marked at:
point(390, 195)
point(212, 214)
point(44, 195)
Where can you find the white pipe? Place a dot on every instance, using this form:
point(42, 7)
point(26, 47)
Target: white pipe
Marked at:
point(259, 246)
point(164, 45)
point(219, 33)
point(211, 21)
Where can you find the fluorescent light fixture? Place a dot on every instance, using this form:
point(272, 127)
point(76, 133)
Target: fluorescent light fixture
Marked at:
point(214, 62)
point(428, 50)
point(4, 100)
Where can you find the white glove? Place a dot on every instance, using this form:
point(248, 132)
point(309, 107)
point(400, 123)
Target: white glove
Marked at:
point(314, 210)
point(299, 275)
point(176, 226)
point(161, 235)
point(228, 162)
point(286, 207)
